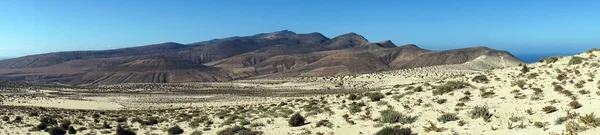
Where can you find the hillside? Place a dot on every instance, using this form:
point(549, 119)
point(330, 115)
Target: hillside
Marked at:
point(265, 55)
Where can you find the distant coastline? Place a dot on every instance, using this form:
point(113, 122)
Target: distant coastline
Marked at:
point(534, 57)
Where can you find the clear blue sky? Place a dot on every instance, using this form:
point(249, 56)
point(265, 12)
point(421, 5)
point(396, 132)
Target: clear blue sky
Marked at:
point(40, 26)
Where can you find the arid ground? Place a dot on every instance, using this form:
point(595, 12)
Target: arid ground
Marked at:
point(557, 95)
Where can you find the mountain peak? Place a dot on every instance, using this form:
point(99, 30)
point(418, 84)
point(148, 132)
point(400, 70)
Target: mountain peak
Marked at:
point(285, 31)
point(410, 45)
point(387, 44)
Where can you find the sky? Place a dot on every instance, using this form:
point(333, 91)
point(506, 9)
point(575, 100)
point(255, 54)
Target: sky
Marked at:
point(518, 26)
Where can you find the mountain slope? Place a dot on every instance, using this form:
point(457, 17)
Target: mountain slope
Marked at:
point(152, 70)
point(276, 54)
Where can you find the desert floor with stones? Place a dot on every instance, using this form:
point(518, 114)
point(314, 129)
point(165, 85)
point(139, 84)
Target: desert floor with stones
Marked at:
point(558, 95)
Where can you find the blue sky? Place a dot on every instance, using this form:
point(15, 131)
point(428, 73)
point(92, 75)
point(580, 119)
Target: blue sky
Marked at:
point(534, 26)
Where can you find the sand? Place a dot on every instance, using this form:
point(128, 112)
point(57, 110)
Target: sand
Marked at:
point(507, 104)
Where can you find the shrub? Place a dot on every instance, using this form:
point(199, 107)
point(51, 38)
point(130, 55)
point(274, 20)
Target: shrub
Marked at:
point(524, 69)
point(41, 126)
point(296, 120)
point(539, 124)
point(196, 132)
point(48, 120)
point(237, 130)
point(65, 124)
point(561, 120)
point(575, 60)
point(590, 120)
point(376, 96)
point(558, 88)
point(549, 109)
point(433, 127)
point(561, 77)
point(533, 75)
point(355, 107)
point(325, 123)
point(71, 130)
point(449, 87)
point(593, 50)
point(121, 131)
point(5, 118)
point(520, 83)
point(549, 60)
point(175, 130)
point(447, 117)
point(441, 101)
point(258, 124)
point(56, 131)
point(244, 122)
point(480, 112)
point(150, 121)
point(573, 127)
point(196, 122)
point(418, 89)
point(394, 131)
point(574, 104)
point(537, 91)
point(391, 116)
point(480, 79)
point(352, 97)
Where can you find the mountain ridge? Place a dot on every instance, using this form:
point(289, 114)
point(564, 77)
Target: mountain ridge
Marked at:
point(276, 54)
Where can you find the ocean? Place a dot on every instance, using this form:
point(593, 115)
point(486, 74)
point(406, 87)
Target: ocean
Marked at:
point(534, 57)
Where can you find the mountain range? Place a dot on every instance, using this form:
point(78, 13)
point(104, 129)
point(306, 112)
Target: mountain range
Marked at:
point(277, 54)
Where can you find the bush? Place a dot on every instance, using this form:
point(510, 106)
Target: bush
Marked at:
point(5, 118)
point(558, 88)
point(590, 120)
point(561, 77)
point(391, 116)
point(394, 131)
point(71, 130)
point(296, 120)
point(56, 131)
point(418, 89)
point(48, 120)
point(376, 96)
point(520, 83)
point(447, 117)
point(575, 60)
point(441, 101)
point(537, 91)
point(41, 126)
point(237, 130)
point(352, 97)
point(196, 122)
point(480, 112)
point(549, 109)
point(175, 130)
point(196, 133)
point(480, 79)
point(324, 123)
point(549, 60)
point(524, 69)
point(65, 124)
point(121, 131)
point(561, 120)
point(449, 87)
point(574, 104)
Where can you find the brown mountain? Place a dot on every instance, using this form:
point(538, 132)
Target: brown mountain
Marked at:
point(277, 54)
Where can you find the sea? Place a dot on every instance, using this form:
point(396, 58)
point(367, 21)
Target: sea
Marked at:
point(535, 57)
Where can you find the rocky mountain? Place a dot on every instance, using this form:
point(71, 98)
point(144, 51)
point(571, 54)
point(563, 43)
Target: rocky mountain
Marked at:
point(276, 54)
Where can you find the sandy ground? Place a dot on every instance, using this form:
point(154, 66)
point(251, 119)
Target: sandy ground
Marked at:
point(513, 109)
